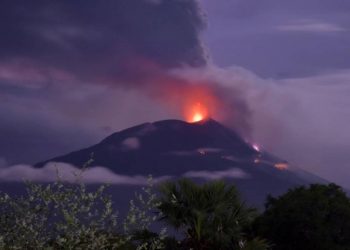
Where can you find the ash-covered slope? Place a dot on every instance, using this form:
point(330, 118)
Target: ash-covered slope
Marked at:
point(201, 150)
point(165, 147)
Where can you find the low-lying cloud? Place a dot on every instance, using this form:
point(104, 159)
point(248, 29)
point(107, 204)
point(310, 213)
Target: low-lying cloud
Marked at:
point(65, 172)
point(54, 171)
point(234, 173)
point(310, 26)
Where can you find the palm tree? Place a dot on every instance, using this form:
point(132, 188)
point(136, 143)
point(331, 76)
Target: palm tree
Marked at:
point(211, 215)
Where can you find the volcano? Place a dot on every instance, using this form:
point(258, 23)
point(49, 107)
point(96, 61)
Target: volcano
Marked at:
point(203, 150)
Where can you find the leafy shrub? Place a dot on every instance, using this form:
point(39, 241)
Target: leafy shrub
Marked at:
point(68, 216)
point(210, 216)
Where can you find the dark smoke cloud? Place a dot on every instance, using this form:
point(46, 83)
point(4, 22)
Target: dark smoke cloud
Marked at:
point(101, 39)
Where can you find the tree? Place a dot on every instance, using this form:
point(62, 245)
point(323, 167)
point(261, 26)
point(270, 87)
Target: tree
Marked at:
point(317, 217)
point(210, 215)
point(68, 216)
point(58, 215)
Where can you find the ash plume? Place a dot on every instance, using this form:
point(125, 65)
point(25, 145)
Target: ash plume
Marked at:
point(102, 40)
point(127, 44)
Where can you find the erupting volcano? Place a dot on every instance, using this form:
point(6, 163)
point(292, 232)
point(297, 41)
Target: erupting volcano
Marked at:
point(200, 150)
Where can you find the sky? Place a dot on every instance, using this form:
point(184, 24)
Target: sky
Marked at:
point(72, 73)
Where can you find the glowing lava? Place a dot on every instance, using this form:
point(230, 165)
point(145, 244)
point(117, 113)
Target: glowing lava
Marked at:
point(197, 117)
point(197, 113)
point(198, 103)
point(281, 166)
point(256, 147)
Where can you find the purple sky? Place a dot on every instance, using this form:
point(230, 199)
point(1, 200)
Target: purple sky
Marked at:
point(72, 73)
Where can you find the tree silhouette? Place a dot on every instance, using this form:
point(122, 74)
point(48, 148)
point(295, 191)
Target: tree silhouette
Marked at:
point(317, 217)
point(210, 215)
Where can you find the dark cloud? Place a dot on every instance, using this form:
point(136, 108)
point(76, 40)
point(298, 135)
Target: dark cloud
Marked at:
point(101, 39)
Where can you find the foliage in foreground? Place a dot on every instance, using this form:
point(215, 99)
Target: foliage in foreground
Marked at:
point(208, 216)
point(67, 216)
point(317, 217)
point(211, 216)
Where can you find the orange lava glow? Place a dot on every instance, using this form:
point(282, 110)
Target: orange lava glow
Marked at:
point(193, 101)
point(281, 166)
point(197, 113)
point(199, 103)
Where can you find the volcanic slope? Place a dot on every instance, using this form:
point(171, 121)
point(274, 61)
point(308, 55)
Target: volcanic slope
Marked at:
point(203, 150)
